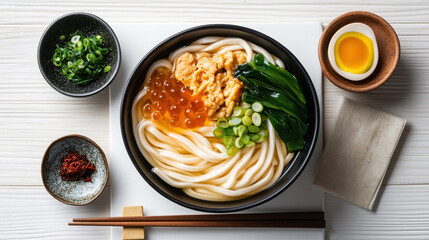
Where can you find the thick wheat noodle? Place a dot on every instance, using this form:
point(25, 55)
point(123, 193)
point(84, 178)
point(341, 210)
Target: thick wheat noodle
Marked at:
point(227, 41)
point(217, 189)
point(225, 167)
point(180, 51)
point(198, 150)
point(255, 172)
point(183, 158)
point(232, 178)
point(206, 40)
point(194, 160)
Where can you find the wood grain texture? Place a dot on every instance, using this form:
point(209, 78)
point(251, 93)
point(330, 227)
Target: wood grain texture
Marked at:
point(28, 12)
point(31, 213)
point(32, 114)
point(403, 213)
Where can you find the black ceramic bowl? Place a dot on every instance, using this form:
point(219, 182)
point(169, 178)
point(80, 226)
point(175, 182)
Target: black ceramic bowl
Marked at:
point(293, 170)
point(89, 25)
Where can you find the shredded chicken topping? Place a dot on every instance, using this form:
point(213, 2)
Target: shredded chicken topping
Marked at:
point(212, 76)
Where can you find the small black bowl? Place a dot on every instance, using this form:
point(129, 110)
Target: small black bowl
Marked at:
point(291, 172)
point(89, 25)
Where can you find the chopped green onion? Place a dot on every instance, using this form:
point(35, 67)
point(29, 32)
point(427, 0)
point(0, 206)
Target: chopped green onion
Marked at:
point(228, 132)
point(263, 133)
point(218, 132)
point(238, 143)
point(90, 57)
point(247, 121)
point(238, 111)
point(245, 105)
point(85, 42)
point(228, 140)
point(232, 150)
point(235, 129)
point(242, 130)
point(254, 137)
point(57, 61)
point(250, 143)
point(81, 59)
point(248, 112)
point(261, 139)
point(75, 39)
point(222, 123)
point(257, 107)
point(253, 129)
point(234, 121)
point(256, 119)
point(245, 139)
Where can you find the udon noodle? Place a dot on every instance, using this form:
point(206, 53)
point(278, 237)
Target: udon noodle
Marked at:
point(193, 159)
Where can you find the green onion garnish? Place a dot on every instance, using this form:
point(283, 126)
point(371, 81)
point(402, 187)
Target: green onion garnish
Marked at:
point(257, 107)
point(81, 59)
point(238, 143)
point(222, 123)
point(238, 111)
point(253, 129)
point(232, 150)
point(256, 119)
point(228, 140)
point(247, 121)
point(218, 132)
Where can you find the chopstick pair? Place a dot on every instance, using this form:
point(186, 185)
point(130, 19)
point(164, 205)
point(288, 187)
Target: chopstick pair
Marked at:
point(253, 220)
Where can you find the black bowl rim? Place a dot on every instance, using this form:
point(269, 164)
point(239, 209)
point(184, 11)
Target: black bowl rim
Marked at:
point(282, 188)
point(118, 60)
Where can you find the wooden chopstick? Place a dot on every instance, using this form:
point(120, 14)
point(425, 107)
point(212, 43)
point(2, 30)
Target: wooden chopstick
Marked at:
point(265, 220)
point(212, 217)
point(225, 223)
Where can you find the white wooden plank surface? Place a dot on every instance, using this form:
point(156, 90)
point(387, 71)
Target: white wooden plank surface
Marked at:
point(31, 213)
point(32, 114)
point(402, 214)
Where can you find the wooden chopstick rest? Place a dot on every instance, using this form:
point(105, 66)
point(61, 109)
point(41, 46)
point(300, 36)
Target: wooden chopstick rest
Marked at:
point(132, 233)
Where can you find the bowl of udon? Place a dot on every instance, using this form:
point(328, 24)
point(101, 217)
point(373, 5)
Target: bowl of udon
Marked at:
point(219, 118)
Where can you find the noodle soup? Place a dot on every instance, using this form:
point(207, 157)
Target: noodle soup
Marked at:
point(177, 111)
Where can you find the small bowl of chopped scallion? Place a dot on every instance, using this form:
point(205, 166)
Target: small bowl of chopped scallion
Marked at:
point(79, 54)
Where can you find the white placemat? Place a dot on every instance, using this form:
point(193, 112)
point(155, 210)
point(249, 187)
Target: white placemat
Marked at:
point(128, 188)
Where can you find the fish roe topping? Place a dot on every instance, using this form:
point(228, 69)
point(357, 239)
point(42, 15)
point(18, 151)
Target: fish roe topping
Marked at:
point(171, 103)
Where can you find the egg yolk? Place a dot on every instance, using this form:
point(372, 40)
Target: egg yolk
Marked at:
point(354, 52)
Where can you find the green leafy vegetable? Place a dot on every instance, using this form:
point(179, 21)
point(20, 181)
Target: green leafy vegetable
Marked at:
point(82, 59)
point(279, 93)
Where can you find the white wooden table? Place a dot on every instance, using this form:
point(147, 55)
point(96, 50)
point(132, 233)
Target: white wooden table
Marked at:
point(32, 114)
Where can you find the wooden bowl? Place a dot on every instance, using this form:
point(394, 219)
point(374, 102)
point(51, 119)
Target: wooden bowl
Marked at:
point(75, 193)
point(388, 47)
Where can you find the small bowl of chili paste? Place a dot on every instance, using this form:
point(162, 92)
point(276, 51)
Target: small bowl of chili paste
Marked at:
point(75, 170)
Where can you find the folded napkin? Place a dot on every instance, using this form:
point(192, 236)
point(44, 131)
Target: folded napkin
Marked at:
point(358, 152)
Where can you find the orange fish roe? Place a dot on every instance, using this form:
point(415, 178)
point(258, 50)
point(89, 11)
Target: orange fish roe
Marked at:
point(170, 102)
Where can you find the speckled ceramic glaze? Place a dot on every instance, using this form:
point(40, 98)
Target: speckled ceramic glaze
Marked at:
point(89, 25)
point(74, 192)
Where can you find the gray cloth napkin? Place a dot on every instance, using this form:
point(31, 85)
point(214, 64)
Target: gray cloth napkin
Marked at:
point(358, 152)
